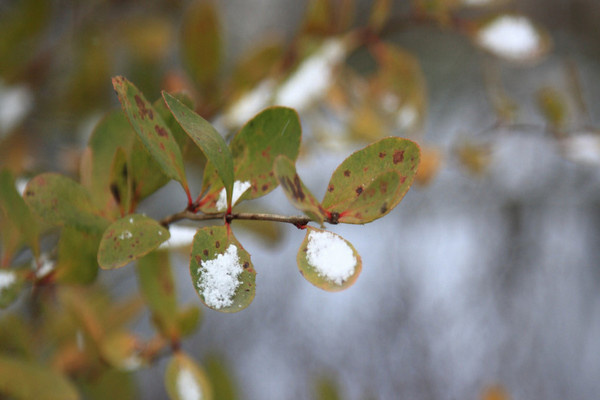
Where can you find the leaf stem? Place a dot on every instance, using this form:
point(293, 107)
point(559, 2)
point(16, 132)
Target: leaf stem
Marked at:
point(298, 221)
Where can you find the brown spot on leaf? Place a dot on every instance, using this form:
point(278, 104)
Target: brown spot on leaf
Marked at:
point(330, 188)
point(398, 156)
point(246, 265)
point(161, 131)
point(265, 187)
point(334, 218)
point(402, 179)
point(359, 190)
point(383, 208)
point(347, 173)
point(217, 244)
point(198, 259)
point(205, 252)
point(383, 187)
point(381, 155)
point(142, 106)
point(116, 193)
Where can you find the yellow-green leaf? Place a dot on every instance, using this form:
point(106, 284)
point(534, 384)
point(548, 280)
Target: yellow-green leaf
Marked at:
point(186, 380)
point(77, 261)
point(372, 181)
point(221, 270)
point(327, 260)
point(128, 239)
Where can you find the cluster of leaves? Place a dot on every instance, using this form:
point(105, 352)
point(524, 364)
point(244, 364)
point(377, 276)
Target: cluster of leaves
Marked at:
point(134, 152)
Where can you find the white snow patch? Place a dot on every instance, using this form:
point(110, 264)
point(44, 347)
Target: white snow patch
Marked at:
point(125, 235)
point(313, 77)
point(219, 278)
point(407, 117)
point(181, 236)
point(15, 103)
point(187, 387)
point(132, 363)
point(512, 37)
point(47, 266)
point(239, 188)
point(7, 278)
point(583, 148)
point(21, 184)
point(331, 256)
point(250, 104)
point(131, 220)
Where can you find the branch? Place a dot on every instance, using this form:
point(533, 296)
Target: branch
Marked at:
point(298, 221)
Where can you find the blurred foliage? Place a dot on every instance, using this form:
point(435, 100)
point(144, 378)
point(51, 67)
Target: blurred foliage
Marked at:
point(63, 333)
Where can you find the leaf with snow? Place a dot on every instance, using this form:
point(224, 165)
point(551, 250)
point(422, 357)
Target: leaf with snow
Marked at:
point(207, 139)
point(371, 182)
point(273, 132)
point(122, 350)
point(59, 201)
point(128, 239)
point(186, 380)
point(513, 37)
point(11, 282)
point(152, 130)
point(327, 260)
point(221, 270)
point(294, 189)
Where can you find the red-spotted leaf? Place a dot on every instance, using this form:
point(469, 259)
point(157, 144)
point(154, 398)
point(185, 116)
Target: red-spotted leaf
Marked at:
point(128, 239)
point(207, 139)
point(186, 380)
point(59, 201)
point(18, 224)
point(372, 181)
point(23, 380)
point(158, 288)
point(120, 187)
point(273, 132)
point(221, 270)
point(327, 260)
point(294, 189)
point(152, 130)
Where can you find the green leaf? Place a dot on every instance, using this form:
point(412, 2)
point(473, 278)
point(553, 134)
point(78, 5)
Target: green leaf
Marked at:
point(18, 224)
point(189, 319)
point(158, 288)
point(128, 239)
point(152, 130)
point(327, 260)
point(273, 132)
point(372, 181)
point(11, 282)
point(221, 378)
point(77, 261)
point(294, 189)
point(60, 201)
point(185, 379)
point(221, 270)
point(23, 380)
point(207, 139)
point(122, 350)
point(111, 384)
point(201, 44)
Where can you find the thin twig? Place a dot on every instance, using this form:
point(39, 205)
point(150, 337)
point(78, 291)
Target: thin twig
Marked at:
point(298, 221)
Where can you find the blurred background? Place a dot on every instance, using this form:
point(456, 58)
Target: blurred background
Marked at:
point(482, 284)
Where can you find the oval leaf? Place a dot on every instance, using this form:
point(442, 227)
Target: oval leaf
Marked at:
point(23, 380)
point(207, 139)
point(273, 132)
point(372, 181)
point(294, 189)
point(151, 129)
point(221, 270)
point(128, 239)
point(327, 260)
point(186, 380)
point(59, 201)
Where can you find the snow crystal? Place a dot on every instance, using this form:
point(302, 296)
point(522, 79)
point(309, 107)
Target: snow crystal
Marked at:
point(125, 235)
point(181, 236)
point(21, 184)
point(47, 266)
point(7, 278)
point(331, 256)
point(312, 78)
point(250, 104)
point(187, 387)
point(512, 37)
point(219, 278)
point(238, 190)
point(131, 220)
point(15, 103)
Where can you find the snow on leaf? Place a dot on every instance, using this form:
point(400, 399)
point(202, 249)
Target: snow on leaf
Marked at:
point(328, 261)
point(186, 380)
